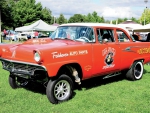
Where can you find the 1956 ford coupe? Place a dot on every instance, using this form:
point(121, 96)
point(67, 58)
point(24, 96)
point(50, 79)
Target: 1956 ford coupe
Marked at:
point(74, 52)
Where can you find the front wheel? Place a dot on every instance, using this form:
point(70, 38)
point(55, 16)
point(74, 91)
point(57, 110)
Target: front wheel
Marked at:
point(136, 71)
point(60, 89)
point(16, 82)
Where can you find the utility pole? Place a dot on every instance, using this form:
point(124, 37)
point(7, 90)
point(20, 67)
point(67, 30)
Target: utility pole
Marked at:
point(145, 10)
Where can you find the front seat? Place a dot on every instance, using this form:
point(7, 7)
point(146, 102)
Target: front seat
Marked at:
point(136, 37)
point(148, 38)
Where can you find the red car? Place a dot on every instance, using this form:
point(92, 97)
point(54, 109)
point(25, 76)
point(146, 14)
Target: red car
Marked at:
point(73, 53)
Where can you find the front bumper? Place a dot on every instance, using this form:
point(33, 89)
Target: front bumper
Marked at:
point(21, 68)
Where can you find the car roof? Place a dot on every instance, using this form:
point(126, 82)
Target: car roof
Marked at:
point(92, 24)
point(95, 25)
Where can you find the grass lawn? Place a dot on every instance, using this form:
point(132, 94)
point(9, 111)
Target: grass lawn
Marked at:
point(113, 95)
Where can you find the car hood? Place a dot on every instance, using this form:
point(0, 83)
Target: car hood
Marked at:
point(48, 43)
point(24, 51)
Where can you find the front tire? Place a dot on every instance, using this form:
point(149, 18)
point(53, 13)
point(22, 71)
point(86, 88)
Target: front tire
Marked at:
point(60, 89)
point(13, 82)
point(136, 71)
point(16, 82)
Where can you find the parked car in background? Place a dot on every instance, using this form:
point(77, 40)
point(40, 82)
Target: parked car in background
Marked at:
point(25, 35)
point(12, 35)
point(22, 36)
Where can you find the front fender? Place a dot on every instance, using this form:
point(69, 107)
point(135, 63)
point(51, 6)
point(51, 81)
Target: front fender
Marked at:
point(53, 68)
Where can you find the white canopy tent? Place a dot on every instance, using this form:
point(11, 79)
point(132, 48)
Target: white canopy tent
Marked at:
point(38, 26)
point(145, 28)
point(130, 25)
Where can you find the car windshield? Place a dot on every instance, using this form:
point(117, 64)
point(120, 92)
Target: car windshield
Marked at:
point(75, 33)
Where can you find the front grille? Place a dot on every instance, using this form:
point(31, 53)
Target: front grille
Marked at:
point(22, 68)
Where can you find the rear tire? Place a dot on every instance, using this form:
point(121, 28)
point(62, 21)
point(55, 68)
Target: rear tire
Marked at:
point(135, 72)
point(60, 89)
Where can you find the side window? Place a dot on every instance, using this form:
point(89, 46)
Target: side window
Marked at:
point(107, 34)
point(90, 35)
point(122, 37)
point(87, 34)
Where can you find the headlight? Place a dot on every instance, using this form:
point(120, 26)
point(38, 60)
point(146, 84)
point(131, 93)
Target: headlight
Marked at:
point(37, 57)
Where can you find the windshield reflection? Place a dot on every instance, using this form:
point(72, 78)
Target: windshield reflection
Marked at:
point(76, 33)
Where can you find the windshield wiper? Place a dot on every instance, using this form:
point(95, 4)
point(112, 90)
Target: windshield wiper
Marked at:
point(56, 38)
point(63, 38)
point(69, 39)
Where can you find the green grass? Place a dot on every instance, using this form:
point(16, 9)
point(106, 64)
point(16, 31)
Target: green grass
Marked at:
point(113, 95)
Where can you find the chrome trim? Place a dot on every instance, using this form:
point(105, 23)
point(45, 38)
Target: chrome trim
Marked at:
point(23, 63)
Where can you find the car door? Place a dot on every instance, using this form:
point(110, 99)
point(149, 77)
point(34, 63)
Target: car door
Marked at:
point(106, 52)
point(129, 49)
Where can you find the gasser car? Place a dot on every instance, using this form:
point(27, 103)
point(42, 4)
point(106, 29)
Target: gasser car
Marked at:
point(73, 53)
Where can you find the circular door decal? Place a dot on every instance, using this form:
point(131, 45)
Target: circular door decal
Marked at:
point(109, 54)
point(109, 58)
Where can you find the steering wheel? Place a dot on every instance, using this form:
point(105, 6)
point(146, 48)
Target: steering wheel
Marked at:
point(85, 39)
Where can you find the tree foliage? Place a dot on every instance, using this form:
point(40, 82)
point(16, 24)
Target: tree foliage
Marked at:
point(46, 15)
point(86, 18)
point(27, 11)
point(145, 17)
point(120, 20)
point(76, 18)
point(6, 12)
point(23, 12)
point(61, 19)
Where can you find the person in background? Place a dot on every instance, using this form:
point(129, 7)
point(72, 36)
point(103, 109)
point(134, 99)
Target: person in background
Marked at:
point(15, 36)
point(36, 34)
point(28, 36)
point(5, 33)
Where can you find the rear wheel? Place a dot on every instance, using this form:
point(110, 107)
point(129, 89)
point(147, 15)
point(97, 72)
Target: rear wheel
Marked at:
point(136, 71)
point(60, 89)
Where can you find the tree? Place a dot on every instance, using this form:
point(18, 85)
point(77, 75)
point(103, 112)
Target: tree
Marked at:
point(25, 12)
point(18, 13)
point(46, 15)
point(2, 2)
point(95, 18)
point(145, 17)
point(61, 19)
point(76, 18)
point(87, 18)
point(6, 9)
point(102, 19)
point(90, 18)
point(135, 20)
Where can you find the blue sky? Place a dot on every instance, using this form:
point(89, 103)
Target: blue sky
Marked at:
point(109, 9)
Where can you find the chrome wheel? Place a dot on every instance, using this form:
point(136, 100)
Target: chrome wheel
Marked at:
point(138, 70)
point(61, 90)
